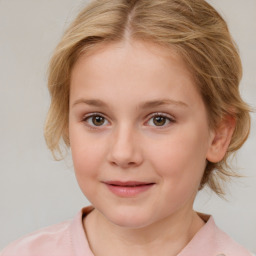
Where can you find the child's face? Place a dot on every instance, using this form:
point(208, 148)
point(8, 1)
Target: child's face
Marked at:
point(138, 132)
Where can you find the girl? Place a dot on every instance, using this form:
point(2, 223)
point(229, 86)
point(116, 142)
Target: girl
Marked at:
point(145, 93)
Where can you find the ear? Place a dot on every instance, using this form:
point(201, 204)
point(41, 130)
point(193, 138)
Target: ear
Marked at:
point(220, 139)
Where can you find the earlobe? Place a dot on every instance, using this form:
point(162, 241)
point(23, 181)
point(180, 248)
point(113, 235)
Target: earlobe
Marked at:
point(220, 140)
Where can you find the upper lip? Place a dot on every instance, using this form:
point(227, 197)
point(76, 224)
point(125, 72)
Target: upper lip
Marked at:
point(127, 183)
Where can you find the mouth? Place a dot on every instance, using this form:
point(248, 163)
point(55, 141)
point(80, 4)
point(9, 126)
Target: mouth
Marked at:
point(128, 188)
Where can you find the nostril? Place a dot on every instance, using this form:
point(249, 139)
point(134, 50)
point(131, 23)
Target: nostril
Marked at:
point(131, 163)
point(123, 164)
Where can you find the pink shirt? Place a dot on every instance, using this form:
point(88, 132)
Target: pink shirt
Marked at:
point(69, 239)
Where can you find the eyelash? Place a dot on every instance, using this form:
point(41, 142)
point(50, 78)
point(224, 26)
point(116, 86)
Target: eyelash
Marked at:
point(167, 118)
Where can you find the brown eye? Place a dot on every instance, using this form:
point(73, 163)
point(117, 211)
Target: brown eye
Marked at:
point(159, 120)
point(96, 120)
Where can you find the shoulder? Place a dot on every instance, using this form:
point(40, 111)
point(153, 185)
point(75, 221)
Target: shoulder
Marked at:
point(229, 246)
point(64, 239)
point(51, 241)
point(211, 240)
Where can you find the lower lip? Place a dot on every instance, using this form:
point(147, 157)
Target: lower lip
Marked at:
point(125, 191)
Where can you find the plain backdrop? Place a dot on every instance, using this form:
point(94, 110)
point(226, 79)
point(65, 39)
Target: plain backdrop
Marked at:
point(36, 191)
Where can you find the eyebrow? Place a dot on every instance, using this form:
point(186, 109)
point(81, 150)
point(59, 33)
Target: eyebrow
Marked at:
point(144, 105)
point(162, 102)
point(91, 102)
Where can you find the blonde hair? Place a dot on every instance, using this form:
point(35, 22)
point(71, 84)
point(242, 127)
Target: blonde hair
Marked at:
point(193, 28)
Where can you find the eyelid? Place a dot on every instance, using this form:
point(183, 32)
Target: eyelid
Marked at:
point(171, 117)
point(93, 114)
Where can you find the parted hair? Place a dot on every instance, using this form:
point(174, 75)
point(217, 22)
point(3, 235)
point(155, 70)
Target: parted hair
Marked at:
point(192, 27)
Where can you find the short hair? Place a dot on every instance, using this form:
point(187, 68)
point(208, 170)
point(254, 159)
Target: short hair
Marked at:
point(197, 32)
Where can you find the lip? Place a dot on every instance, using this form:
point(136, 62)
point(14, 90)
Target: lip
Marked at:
point(128, 188)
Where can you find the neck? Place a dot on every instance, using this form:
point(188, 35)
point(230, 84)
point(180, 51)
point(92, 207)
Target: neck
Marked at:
point(166, 237)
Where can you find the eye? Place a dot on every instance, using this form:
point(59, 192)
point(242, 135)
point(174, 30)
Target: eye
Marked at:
point(95, 120)
point(160, 120)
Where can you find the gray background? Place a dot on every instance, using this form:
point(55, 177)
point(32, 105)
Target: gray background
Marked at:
point(36, 191)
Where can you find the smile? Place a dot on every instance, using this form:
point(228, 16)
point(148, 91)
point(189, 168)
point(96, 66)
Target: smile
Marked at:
point(128, 189)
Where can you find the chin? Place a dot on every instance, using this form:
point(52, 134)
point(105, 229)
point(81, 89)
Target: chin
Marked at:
point(129, 219)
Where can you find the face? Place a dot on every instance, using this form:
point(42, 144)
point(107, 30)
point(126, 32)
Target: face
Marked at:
point(138, 133)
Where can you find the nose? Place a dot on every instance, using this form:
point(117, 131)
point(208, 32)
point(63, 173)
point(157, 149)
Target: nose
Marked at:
point(125, 149)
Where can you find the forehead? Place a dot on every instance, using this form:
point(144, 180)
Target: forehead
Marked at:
point(132, 54)
point(142, 70)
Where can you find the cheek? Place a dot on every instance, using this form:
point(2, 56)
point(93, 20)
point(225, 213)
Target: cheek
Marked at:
point(180, 170)
point(86, 161)
point(85, 158)
point(180, 159)
point(86, 155)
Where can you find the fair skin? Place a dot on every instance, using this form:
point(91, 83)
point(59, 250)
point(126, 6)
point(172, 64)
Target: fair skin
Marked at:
point(140, 141)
